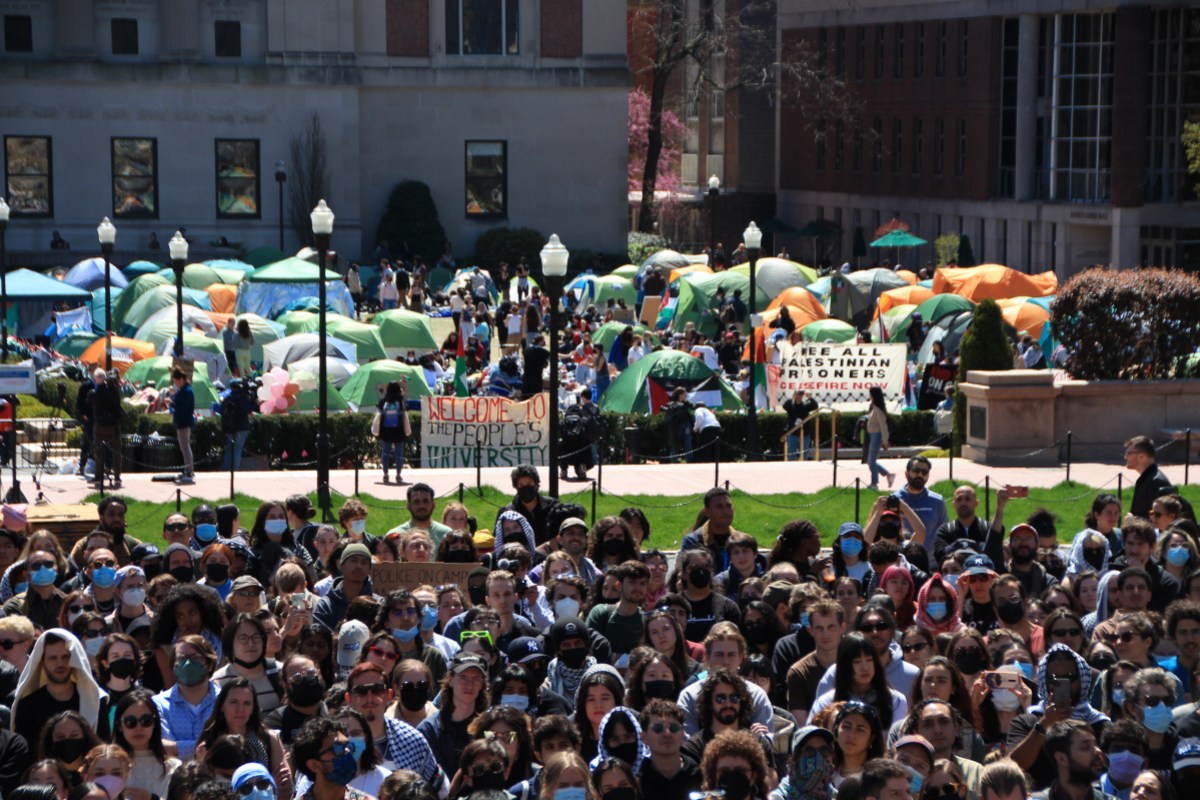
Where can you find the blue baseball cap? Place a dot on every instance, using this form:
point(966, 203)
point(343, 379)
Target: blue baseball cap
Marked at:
point(848, 528)
point(978, 565)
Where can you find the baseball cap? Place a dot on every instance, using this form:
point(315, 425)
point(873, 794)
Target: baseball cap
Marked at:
point(890, 513)
point(465, 661)
point(525, 648)
point(777, 592)
point(1023, 527)
point(800, 734)
point(964, 546)
point(246, 582)
point(978, 565)
point(144, 551)
point(567, 628)
point(572, 522)
point(351, 637)
point(1187, 754)
point(356, 549)
point(848, 528)
point(920, 741)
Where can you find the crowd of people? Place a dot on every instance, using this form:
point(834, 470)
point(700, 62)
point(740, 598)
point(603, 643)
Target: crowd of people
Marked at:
point(931, 654)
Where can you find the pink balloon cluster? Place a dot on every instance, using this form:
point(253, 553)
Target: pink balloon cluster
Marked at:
point(277, 393)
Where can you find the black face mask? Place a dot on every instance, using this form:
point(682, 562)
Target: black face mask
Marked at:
point(626, 752)
point(414, 696)
point(527, 494)
point(736, 785)
point(1011, 612)
point(308, 690)
point(614, 547)
point(216, 573)
point(122, 668)
point(889, 532)
point(1094, 556)
point(660, 690)
point(620, 793)
point(489, 781)
point(573, 657)
point(969, 662)
point(458, 557)
point(755, 632)
point(183, 574)
point(68, 750)
point(700, 577)
point(477, 594)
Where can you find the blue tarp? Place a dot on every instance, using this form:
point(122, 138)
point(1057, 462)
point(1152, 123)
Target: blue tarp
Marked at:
point(270, 300)
point(89, 275)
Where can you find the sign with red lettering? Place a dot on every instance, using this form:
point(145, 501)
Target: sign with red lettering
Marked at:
point(840, 375)
point(487, 431)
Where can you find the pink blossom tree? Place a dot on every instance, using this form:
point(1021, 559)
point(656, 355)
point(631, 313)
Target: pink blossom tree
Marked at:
point(674, 135)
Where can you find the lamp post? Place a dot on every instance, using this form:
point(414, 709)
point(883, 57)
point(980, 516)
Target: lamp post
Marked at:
point(280, 177)
point(14, 491)
point(108, 235)
point(322, 228)
point(752, 236)
point(714, 189)
point(178, 247)
point(554, 268)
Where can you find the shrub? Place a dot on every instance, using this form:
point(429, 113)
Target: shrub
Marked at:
point(1130, 325)
point(947, 248)
point(644, 245)
point(511, 245)
point(412, 217)
point(984, 346)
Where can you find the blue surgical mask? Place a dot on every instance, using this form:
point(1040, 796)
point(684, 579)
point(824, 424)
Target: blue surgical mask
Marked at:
point(1157, 718)
point(570, 793)
point(275, 527)
point(937, 611)
point(1124, 766)
point(21, 587)
point(1178, 556)
point(803, 619)
point(851, 546)
point(344, 768)
point(43, 576)
point(518, 701)
point(358, 526)
point(915, 780)
point(206, 532)
point(358, 745)
point(258, 794)
point(407, 636)
point(429, 618)
point(104, 577)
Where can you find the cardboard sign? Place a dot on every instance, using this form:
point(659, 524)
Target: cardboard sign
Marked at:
point(840, 375)
point(933, 385)
point(493, 431)
point(389, 576)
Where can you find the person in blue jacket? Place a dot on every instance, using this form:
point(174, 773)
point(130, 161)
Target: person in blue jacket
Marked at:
point(183, 414)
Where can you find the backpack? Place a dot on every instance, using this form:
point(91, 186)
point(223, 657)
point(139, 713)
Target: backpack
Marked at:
point(860, 430)
point(390, 418)
point(574, 425)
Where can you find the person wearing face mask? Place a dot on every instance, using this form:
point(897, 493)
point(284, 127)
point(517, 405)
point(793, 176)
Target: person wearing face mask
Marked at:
point(179, 562)
point(186, 706)
point(322, 753)
point(937, 607)
point(402, 616)
point(130, 588)
point(693, 569)
point(734, 763)
point(352, 517)
point(372, 770)
point(529, 502)
point(810, 766)
point(204, 527)
point(57, 678)
point(1126, 745)
point(520, 683)
point(255, 779)
point(305, 698)
point(100, 573)
point(42, 601)
point(620, 737)
point(1150, 696)
point(1008, 598)
point(272, 540)
point(215, 565)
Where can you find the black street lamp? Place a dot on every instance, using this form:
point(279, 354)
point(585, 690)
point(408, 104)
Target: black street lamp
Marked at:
point(178, 247)
point(14, 491)
point(752, 236)
point(108, 235)
point(554, 268)
point(322, 228)
point(714, 190)
point(280, 177)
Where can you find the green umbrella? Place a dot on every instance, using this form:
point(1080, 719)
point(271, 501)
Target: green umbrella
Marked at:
point(403, 330)
point(73, 344)
point(307, 399)
point(898, 238)
point(604, 335)
point(629, 392)
point(362, 392)
point(825, 330)
point(940, 305)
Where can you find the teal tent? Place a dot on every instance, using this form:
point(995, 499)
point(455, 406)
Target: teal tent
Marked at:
point(141, 268)
point(33, 298)
point(261, 256)
point(291, 270)
point(158, 298)
point(657, 375)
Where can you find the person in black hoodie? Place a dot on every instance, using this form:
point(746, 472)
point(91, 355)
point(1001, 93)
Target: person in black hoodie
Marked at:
point(106, 416)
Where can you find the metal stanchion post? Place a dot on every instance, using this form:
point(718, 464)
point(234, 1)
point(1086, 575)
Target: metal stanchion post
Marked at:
point(178, 501)
point(356, 465)
point(593, 502)
point(232, 494)
point(835, 454)
point(1120, 485)
point(717, 463)
point(461, 491)
point(1187, 456)
point(987, 497)
point(479, 468)
point(727, 484)
point(857, 489)
point(1068, 456)
point(951, 454)
point(600, 464)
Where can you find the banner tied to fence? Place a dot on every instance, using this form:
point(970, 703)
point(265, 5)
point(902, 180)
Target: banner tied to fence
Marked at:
point(840, 375)
point(484, 431)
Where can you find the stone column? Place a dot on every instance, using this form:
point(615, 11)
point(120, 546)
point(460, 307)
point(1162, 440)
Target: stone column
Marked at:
point(75, 25)
point(1010, 415)
point(180, 29)
point(1027, 61)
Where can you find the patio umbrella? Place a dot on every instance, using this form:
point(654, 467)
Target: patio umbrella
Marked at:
point(362, 390)
point(898, 238)
point(402, 330)
point(825, 330)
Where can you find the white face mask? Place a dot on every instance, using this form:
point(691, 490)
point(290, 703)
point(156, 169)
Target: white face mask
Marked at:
point(1005, 700)
point(133, 597)
point(358, 527)
point(566, 607)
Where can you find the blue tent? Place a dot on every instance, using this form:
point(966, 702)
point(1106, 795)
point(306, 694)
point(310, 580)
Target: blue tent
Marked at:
point(140, 268)
point(89, 274)
point(34, 296)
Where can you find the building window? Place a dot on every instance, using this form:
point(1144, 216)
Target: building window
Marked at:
point(1009, 62)
point(918, 145)
point(229, 38)
point(487, 179)
point(135, 178)
point(919, 58)
point(877, 151)
point(939, 146)
point(898, 52)
point(482, 27)
point(27, 176)
point(858, 146)
point(963, 41)
point(960, 158)
point(839, 144)
point(1176, 30)
point(943, 47)
point(821, 144)
point(238, 188)
point(840, 54)
point(860, 53)
point(124, 37)
point(18, 33)
point(1081, 122)
point(880, 44)
point(897, 144)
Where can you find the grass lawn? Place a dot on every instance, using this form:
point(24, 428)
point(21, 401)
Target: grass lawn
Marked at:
point(761, 515)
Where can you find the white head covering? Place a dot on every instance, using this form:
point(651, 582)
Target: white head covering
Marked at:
point(33, 677)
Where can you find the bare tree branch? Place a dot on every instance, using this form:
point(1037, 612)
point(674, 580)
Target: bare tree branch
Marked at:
point(310, 181)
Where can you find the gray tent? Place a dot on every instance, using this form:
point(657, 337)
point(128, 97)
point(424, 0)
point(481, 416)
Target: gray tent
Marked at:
point(852, 297)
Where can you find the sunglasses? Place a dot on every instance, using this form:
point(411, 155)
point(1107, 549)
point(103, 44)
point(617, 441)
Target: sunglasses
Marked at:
point(176, 526)
point(1126, 637)
point(662, 727)
point(144, 721)
point(727, 700)
point(1067, 632)
point(338, 749)
point(80, 609)
point(507, 737)
point(479, 770)
point(466, 636)
point(915, 647)
point(261, 785)
point(978, 578)
point(110, 562)
point(948, 791)
point(41, 565)
point(364, 689)
point(247, 592)
point(403, 612)
point(874, 627)
point(9, 644)
point(384, 654)
point(92, 633)
point(417, 685)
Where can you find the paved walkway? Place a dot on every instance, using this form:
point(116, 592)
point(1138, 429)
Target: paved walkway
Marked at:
point(665, 480)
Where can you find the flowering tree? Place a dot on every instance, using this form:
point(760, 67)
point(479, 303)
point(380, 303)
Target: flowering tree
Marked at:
point(674, 135)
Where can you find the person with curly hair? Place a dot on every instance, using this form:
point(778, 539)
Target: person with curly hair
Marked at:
point(734, 762)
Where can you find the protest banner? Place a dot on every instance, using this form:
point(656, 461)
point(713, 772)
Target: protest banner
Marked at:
point(933, 385)
point(391, 575)
point(839, 375)
point(487, 431)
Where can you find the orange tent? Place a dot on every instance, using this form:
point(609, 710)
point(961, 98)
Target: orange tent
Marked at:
point(1024, 315)
point(125, 352)
point(993, 282)
point(218, 318)
point(905, 295)
point(908, 275)
point(679, 272)
point(223, 296)
point(802, 305)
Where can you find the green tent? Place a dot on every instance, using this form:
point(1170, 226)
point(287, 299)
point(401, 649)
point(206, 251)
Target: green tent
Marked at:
point(156, 299)
point(629, 393)
point(614, 287)
point(941, 305)
point(202, 276)
point(161, 327)
point(897, 320)
point(73, 344)
point(361, 392)
point(362, 334)
point(828, 330)
point(604, 335)
point(626, 271)
point(307, 399)
point(261, 256)
point(141, 268)
point(131, 293)
point(698, 302)
point(158, 369)
point(291, 270)
point(301, 321)
point(772, 275)
point(437, 278)
point(403, 330)
point(264, 331)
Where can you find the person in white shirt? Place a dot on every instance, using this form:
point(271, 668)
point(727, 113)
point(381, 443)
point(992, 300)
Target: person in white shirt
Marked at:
point(703, 350)
point(707, 432)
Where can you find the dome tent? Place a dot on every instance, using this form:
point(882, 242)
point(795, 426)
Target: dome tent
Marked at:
point(631, 391)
